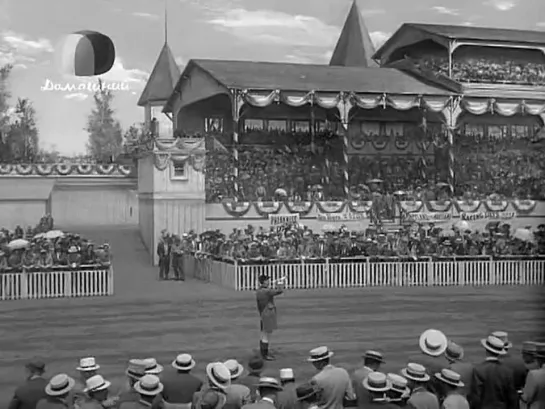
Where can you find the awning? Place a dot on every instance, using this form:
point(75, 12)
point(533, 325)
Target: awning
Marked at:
point(25, 188)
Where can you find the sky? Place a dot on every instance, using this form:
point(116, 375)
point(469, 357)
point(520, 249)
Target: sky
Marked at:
point(303, 31)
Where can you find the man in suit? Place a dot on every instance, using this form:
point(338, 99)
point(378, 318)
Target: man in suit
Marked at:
point(377, 384)
point(334, 382)
point(528, 355)
point(177, 260)
point(149, 388)
point(255, 367)
point(372, 360)
point(533, 394)
point(308, 396)
point(455, 355)
point(514, 362)
point(163, 252)
point(287, 398)
point(57, 391)
point(238, 395)
point(180, 385)
point(267, 312)
point(28, 394)
point(218, 379)
point(417, 380)
point(399, 392)
point(451, 398)
point(268, 389)
point(433, 344)
point(493, 386)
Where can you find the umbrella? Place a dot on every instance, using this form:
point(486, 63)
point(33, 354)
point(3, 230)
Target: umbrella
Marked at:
point(524, 235)
point(280, 192)
point(54, 234)
point(446, 233)
point(39, 235)
point(329, 227)
point(442, 184)
point(18, 244)
point(375, 181)
point(461, 225)
point(399, 193)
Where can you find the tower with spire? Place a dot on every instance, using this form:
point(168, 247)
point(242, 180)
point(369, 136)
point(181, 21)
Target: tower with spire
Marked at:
point(161, 83)
point(354, 47)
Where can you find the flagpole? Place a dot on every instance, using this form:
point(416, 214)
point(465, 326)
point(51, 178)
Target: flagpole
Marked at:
point(166, 21)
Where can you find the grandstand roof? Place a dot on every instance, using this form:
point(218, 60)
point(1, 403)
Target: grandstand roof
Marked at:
point(162, 79)
point(411, 33)
point(354, 47)
point(269, 76)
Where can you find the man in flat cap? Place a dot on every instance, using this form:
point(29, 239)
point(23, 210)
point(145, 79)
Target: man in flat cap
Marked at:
point(28, 394)
point(267, 312)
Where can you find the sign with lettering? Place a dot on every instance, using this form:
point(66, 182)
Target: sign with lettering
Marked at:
point(487, 216)
point(342, 217)
point(283, 219)
point(430, 217)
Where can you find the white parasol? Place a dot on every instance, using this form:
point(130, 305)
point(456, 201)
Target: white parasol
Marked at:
point(54, 234)
point(446, 233)
point(18, 244)
point(524, 235)
point(39, 235)
point(462, 225)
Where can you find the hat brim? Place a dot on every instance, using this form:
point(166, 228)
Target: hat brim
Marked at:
point(105, 385)
point(240, 370)
point(329, 355)
point(370, 388)
point(191, 365)
point(407, 375)
point(491, 349)
point(146, 392)
point(88, 368)
point(213, 379)
point(440, 376)
point(134, 375)
point(269, 385)
point(426, 350)
point(454, 358)
point(155, 371)
point(68, 388)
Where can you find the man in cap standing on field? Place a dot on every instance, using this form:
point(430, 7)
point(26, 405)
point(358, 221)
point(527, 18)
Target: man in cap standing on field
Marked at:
point(28, 394)
point(267, 312)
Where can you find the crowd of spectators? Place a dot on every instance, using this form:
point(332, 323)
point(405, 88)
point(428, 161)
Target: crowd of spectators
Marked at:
point(438, 376)
point(42, 249)
point(297, 242)
point(494, 69)
point(285, 169)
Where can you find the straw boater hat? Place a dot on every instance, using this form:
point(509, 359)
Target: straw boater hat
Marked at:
point(494, 345)
point(454, 352)
point(529, 347)
point(149, 385)
point(96, 383)
point(218, 374)
point(87, 364)
point(269, 382)
point(234, 367)
point(415, 372)
point(183, 362)
point(433, 342)
point(60, 385)
point(377, 382)
point(374, 355)
point(136, 369)
point(152, 367)
point(399, 384)
point(504, 337)
point(286, 374)
point(319, 354)
point(450, 377)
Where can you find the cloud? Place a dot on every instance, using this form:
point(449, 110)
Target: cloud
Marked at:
point(120, 73)
point(20, 67)
point(19, 49)
point(541, 24)
point(180, 61)
point(501, 5)
point(267, 26)
point(379, 38)
point(372, 12)
point(145, 15)
point(77, 96)
point(445, 10)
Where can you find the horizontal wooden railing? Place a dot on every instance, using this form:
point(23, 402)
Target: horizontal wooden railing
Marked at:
point(57, 284)
point(367, 272)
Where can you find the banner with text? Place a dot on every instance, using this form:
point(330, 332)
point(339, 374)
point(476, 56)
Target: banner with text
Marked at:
point(342, 217)
point(487, 216)
point(430, 217)
point(283, 219)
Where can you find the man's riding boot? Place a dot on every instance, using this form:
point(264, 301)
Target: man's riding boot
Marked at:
point(264, 346)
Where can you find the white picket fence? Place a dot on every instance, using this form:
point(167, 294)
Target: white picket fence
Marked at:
point(366, 273)
point(56, 284)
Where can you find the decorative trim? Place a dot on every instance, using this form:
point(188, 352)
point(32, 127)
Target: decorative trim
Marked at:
point(303, 208)
point(236, 209)
point(524, 206)
point(266, 208)
point(64, 169)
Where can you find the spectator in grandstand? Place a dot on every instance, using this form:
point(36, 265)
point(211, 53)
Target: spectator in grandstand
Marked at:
point(28, 394)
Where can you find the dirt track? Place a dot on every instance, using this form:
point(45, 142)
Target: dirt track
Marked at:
point(160, 319)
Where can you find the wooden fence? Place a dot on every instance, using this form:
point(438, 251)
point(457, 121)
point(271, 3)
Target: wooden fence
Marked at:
point(367, 273)
point(56, 284)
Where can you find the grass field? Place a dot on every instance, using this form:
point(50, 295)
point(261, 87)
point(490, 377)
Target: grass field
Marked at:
point(147, 318)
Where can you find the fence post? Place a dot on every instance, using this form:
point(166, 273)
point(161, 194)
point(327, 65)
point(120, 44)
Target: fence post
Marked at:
point(24, 285)
point(68, 284)
point(431, 272)
point(492, 271)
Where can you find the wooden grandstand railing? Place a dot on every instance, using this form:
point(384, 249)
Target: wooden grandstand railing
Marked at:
point(84, 282)
point(367, 272)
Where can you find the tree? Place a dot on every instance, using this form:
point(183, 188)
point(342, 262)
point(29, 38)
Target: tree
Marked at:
point(4, 112)
point(22, 138)
point(105, 133)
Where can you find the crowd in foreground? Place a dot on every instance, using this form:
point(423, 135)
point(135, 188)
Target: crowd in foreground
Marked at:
point(507, 165)
point(438, 377)
point(41, 248)
point(293, 242)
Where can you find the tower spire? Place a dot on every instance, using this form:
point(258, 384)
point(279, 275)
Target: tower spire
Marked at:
point(166, 21)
